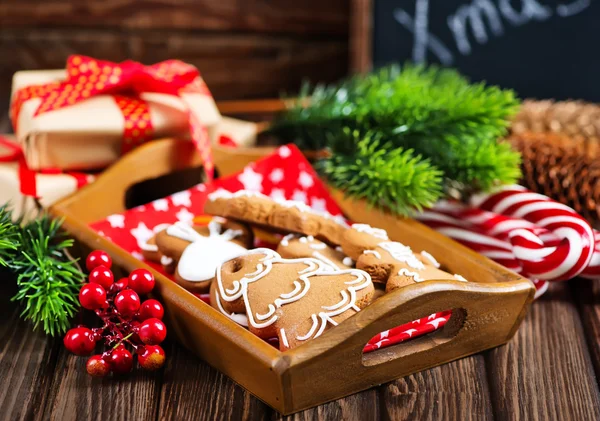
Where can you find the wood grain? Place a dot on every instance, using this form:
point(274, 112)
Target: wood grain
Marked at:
point(235, 65)
point(457, 390)
point(587, 295)
point(194, 390)
point(74, 395)
point(363, 406)
point(27, 360)
point(282, 16)
point(545, 372)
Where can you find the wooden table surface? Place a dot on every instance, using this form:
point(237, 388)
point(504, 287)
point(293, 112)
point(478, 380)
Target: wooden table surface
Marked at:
point(547, 372)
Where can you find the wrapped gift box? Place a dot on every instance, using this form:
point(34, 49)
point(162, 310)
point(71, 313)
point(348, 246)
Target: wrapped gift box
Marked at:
point(236, 133)
point(49, 187)
point(90, 134)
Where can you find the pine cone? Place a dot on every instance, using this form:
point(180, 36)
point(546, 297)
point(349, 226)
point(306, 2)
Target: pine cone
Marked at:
point(577, 119)
point(562, 168)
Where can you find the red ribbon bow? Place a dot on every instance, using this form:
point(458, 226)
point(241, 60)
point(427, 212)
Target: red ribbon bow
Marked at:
point(88, 77)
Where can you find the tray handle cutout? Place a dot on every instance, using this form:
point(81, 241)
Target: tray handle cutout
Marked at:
point(409, 345)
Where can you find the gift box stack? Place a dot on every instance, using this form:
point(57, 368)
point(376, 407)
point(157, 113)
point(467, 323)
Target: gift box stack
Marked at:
point(70, 124)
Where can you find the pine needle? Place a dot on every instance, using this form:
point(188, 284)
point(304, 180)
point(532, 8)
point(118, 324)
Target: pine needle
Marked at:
point(48, 279)
point(9, 236)
point(435, 112)
point(398, 180)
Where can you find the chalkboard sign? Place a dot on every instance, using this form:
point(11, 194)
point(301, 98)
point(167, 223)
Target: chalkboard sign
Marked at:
point(539, 48)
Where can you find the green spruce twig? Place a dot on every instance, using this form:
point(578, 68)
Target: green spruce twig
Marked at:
point(398, 180)
point(435, 112)
point(9, 236)
point(48, 279)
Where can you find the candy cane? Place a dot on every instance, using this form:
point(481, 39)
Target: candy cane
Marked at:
point(561, 261)
point(548, 240)
point(473, 237)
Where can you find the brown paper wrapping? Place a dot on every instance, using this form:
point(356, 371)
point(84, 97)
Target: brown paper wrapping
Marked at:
point(242, 133)
point(88, 135)
point(50, 188)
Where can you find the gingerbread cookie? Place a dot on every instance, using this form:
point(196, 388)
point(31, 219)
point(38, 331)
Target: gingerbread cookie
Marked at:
point(198, 251)
point(149, 248)
point(294, 246)
point(391, 263)
point(283, 216)
point(293, 299)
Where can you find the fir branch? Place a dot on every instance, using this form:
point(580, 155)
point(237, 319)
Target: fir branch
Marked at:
point(9, 236)
point(397, 180)
point(48, 279)
point(435, 112)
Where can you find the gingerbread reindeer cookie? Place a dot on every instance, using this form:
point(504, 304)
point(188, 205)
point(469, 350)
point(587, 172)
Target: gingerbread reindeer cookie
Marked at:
point(197, 251)
point(293, 299)
point(389, 262)
point(294, 246)
point(281, 216)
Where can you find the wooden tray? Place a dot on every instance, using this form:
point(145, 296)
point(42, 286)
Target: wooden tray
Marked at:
point(486, 313)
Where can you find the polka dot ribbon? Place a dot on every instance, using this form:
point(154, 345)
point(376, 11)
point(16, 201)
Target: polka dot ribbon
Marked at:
point(88, 77)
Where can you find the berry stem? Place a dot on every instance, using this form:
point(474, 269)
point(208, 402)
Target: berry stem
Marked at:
point(122, 340)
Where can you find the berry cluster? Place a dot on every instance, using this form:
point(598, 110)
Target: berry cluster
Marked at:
point(126, 321)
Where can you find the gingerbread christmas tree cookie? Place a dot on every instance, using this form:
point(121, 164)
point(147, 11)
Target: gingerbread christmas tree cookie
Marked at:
point(293, 299)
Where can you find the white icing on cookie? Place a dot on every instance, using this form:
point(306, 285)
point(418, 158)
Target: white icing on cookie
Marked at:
point(200, 259)
point(373, 252)
point(320, 256)
point(240, 319)
point(430, 258)
point(284, 338)
point(348, 261)
point(460, 278)
point(314, 267)
point(318, 246)
point(165, 260)
point(285, 241)
point(414, 275)
point(402, 253)
point(148, 247)
point(368, 229)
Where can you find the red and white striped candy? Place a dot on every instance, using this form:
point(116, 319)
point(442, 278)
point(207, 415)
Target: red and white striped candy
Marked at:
point(447, 219)
point(559, 261)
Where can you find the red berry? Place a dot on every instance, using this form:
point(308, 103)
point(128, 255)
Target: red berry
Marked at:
point(121, 361)
point(135, 328)
point(151, 309)
point(152, 357)
point(121, 284)
point(152, 331)
point(127, 303)
point(97, 258)
point(92, 296)
point(141, 281)
point(101, 275)
point(80, 341)
point(96, 366)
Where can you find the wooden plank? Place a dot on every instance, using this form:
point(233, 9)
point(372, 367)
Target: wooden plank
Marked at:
point(283, 16)
point(587, 294)
point(545, 372)
point(75, 395)
point(362, 406)
point(457, 390)
point(235, 66)
point(194, 390)
point(27, 360)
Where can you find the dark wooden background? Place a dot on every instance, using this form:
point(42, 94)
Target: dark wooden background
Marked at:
point(243, 48)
